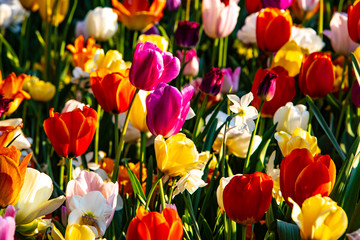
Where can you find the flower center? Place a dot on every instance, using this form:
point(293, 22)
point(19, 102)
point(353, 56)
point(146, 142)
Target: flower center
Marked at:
point(241, 112)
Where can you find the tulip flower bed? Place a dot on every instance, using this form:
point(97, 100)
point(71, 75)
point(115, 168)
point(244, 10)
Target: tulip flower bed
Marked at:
point(179, 119)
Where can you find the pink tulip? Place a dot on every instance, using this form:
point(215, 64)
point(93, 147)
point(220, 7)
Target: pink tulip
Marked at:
point(7, 224)
point(219, 17)
point(152, 66)
point(71, 105)
point(90, 181)
point(192, 66)
point(231, 80)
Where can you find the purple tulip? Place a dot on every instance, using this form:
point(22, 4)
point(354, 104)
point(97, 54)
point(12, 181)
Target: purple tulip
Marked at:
point(167, 109)
point(355, 94)
point(7, 224)
point(187, 33)
point(231, 80)
point(212, 82)
point(173, 5)
point(152, 66)
point(281, 4)
point(267, 87)
point(152, 30)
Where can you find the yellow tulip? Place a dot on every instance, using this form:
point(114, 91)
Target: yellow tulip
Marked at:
point(357, 53)
point(112, 61)
point(42, 91)
point(290, 57)
point(319, 218)
point(158, 40)
point(178, 155)
point(31, 5)
point(138, 112)
point(79, 232)
point(299, 139)
point(59, 15)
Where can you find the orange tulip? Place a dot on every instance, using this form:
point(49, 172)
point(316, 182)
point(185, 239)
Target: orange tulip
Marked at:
point(273, 28)
point(113, 91)
point(137, 15)
point(83, 55)
point(8, 134)
point(354, 21)
point(303, 176)
point(12, 174)
point(153, 225)
point(11, 88)
point(71, 133)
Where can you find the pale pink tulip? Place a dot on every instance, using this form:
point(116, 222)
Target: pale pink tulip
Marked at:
point(7, 224)
point(231, 80)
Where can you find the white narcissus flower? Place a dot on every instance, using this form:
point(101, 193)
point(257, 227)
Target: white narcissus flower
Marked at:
point(247, 33)
point(34, 197)
point(191, 182)
point(101, 23)
point(307, 38)
point(91, 209)
point(245, 113)
point(339, 34)
point(290, 117)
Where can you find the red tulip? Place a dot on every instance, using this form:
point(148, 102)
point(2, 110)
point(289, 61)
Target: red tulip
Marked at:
point(247, 197)
point(155, 226)
point(354, 21)
point(317, 77)
point(113, 91)
point(303, 176)
point(285, 90)
point(253, 6)
point(273, 28)
point(71, 133)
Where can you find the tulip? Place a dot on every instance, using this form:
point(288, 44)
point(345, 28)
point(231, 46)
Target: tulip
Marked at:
point(247, 197)
point(167, 109)
point(231, 80)
point(290, 57)
point(281, 4)
point(212, 82)
point(4, 104)
point(34, 197)
point(158, 40)
point(71, 133)
point(138, 15)
point(101, 23)
point(124, 178)
point(247, 33)
point(220, 190)
point(191, 67)
point(354, 21)
point(138, 113)
point(267, 87)
point(80, 232)
point(90, 181)
point(303, 176)
point(355, 94)
point(11, 88)
point(46, 8)
point(153, 225)
point(298, 139)
point(339, 35)
point(152, 66)
point(7, 224)
point(307, 5)
point(113, 91)
point(187, 34)
point(111, 61)
point(83, 55)
point(13, 175)
point(253, 6)
point(173, 5)
point(31, 5)
point(320, 218)
point(285, 90)
point(307, 38)
point(290, 117)
point(42, 91)
point(354, 235)
point(219, 17)
point(71, 105)
point(273, 29)
point(11, 134)
point(170, 162)
point(317, 75)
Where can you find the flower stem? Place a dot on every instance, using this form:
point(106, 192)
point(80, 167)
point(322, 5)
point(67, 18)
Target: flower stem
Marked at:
point(116, 133)
point(142, 153)
point(121, 142)
point(321, 18)
point(213, 57)
point(69, 169)
point(151, 193)
point(162, 195)
point(38, 127)
point(243, 232)
point(180, 78)
point(96, 147)
point(198, 116)
point(226, 43)
point(247, 161)
point(221, 52)
point(187, 13)
point(62, 170)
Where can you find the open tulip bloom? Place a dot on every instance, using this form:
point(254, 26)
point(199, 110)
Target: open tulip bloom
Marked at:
point(179, 119)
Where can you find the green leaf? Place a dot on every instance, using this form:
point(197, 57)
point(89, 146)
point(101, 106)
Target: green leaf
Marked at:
point(135, 182)
point(356, 66)
point(205, 228)
point(149, 174)
point(288, 231)
point(354, 223)
point(210, 137)
point(11, 55)
point(325, 127)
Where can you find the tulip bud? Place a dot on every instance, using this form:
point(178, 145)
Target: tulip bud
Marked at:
point(191, 67)
point(281, 4)
point(187, 34)
point(354, 21)
point(267, 87)
point(317, 77)
point(247, 197)
point(212, 82)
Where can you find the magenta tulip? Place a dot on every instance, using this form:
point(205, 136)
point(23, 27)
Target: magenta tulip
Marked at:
point(152, 66)
point(167, 109)
point(212, 82)
point(282, 4)
point(7, 224)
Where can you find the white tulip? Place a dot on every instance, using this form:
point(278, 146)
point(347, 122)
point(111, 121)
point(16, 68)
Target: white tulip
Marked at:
point(307, 38)
point(290, 117)
point(247, 33)
point(101, 23)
